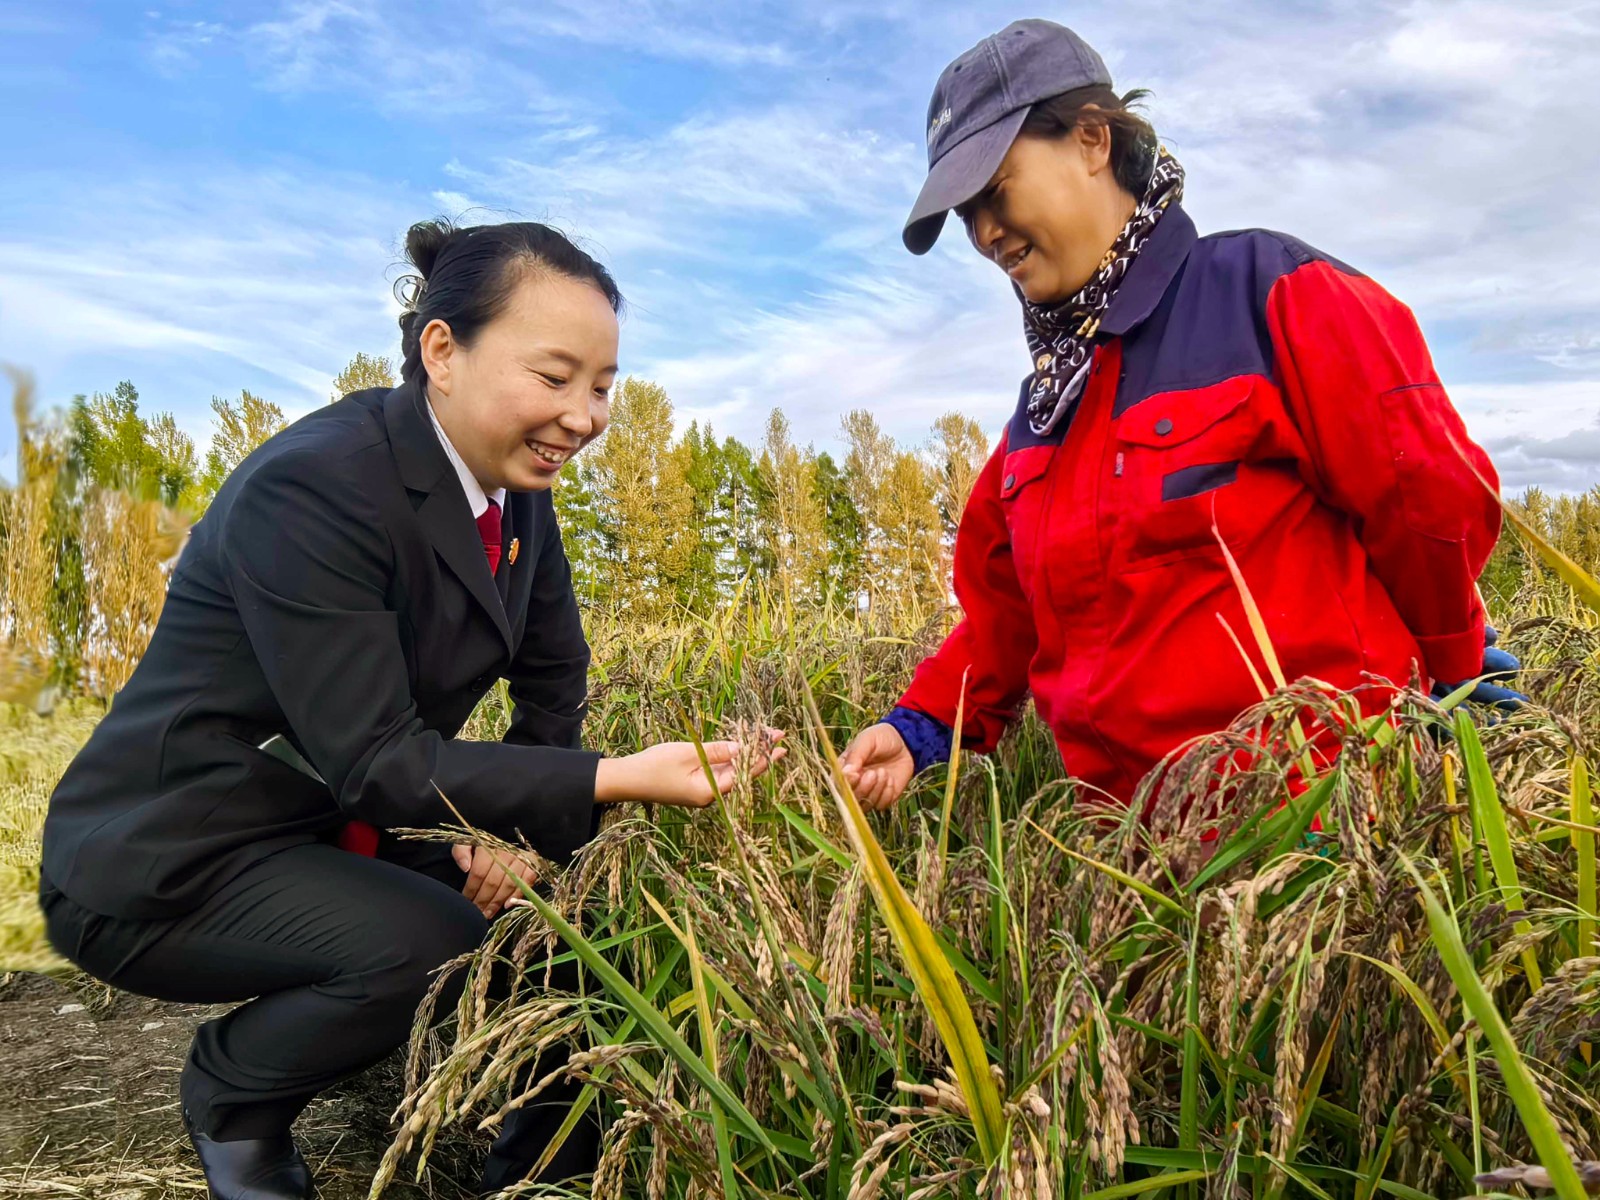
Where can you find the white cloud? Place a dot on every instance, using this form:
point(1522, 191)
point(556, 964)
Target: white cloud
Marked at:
point(662, 28)
point(1538, 434)
point(1442, 145)
point(279, 276)
point(398, 60)
point(886, 344)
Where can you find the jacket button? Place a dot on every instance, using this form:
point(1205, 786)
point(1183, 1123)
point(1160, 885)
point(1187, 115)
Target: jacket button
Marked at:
point(1164, 426)
point(1011, 482)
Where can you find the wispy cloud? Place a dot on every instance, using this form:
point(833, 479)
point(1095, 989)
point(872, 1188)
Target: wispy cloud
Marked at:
point(683, 29)
point(391, 56)
point(273, 278)
point(745, 169)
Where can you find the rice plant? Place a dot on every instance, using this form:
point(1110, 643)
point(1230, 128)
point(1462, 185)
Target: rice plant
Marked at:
point(1224, 998)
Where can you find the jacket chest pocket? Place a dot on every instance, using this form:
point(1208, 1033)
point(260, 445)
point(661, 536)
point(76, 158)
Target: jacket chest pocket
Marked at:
point(1023, 486)
point(1175, 470)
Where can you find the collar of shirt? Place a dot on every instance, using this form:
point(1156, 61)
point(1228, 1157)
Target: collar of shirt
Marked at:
point(477, 498)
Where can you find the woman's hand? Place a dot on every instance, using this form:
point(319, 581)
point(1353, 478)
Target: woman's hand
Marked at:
point(877, 766)
point(489, 885)
point(671, 773)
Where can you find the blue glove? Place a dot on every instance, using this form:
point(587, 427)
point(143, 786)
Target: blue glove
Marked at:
point(1497, 665)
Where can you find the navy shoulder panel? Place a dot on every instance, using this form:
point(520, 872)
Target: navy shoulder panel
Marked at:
point(1211, 324)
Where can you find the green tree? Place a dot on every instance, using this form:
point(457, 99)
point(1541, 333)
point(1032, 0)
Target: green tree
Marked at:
point(240, 428)
point(175, 464)
point(112, 446)
point(736, 488)
point(842, 529)
point(699, 588)
point(580, 526)
point(361, 372)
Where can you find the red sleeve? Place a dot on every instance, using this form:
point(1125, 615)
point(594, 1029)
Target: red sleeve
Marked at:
point(995, 638)
point(1385, 445)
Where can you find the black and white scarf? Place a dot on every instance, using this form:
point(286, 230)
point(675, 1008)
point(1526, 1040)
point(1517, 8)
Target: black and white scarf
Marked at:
point(1061, 335)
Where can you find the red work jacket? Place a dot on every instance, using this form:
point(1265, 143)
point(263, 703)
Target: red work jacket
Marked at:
point(1246, 380)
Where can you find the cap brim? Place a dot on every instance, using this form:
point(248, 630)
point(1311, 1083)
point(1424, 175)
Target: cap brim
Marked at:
point(961, 173)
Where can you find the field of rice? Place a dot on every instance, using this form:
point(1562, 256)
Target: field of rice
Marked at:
point(1003, 989)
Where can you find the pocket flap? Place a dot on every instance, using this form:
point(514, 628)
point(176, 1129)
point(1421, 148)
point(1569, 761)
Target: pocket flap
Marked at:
point(1022, 467)
point(1171, 418)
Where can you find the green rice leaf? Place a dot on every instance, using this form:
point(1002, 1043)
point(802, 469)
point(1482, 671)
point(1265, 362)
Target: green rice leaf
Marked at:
point(935, 980)
point(1519, 1083)
point(1583, 848)
point(656, 1025)
point(1489, 821)
point(1122, 877)
point(1143, 1187)
point(1416, 995)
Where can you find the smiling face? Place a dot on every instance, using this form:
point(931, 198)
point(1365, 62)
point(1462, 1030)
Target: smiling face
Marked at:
point(1050, 213)
point(533, 387)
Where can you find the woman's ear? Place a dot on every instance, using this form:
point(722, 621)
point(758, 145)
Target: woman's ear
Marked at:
point(1093, 139)
point(437, 348)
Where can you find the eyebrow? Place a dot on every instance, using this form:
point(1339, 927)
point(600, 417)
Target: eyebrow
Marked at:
point(572, 360)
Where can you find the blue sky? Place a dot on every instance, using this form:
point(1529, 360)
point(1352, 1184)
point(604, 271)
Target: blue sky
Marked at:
point(203, 197)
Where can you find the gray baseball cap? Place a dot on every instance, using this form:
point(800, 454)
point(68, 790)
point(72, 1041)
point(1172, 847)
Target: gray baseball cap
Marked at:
point(979, 105)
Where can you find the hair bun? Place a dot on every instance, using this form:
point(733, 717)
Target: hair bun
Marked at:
point(424, 241)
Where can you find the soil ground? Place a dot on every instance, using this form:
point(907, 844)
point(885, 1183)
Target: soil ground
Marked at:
point(88, 1105)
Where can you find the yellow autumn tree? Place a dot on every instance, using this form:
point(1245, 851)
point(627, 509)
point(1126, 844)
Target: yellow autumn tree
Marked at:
point(28, 552)
point(361, 372)
point(639, 484)
point(789, 513)
point(911, 579)
point(959, 450)
point(241, 426)
point(869, 459)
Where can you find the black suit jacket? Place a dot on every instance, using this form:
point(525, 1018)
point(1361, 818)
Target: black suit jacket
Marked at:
point(336, 593)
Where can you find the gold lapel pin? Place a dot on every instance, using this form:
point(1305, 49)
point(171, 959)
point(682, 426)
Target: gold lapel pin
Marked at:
point(511, 554)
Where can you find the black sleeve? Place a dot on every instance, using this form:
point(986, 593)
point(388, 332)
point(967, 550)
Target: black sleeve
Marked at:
point(309, 561)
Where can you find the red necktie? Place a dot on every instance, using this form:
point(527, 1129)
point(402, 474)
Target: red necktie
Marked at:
point(489, 529)
point(358, 837)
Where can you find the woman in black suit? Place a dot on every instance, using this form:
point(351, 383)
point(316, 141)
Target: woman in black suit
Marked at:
point(356, 587)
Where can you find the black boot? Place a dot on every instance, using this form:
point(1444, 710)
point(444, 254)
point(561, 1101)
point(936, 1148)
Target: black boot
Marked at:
point(252, 1168)
point(525, 1135)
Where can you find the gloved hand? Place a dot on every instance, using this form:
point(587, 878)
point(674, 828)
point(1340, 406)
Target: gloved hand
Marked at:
point(1497, 665)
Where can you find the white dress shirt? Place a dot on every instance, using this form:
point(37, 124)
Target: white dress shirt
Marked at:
point(477, 498)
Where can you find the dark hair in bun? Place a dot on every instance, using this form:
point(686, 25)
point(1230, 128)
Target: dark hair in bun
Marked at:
point(465, 276)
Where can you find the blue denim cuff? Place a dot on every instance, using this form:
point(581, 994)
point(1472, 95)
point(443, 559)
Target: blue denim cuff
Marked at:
point(927, 739)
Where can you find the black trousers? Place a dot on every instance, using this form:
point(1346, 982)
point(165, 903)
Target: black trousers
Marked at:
point(332, 953)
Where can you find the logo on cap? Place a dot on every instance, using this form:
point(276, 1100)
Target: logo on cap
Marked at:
point(939, 123)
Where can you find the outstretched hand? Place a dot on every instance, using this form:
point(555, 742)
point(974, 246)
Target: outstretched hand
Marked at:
point(878, 766)
point(672, 773)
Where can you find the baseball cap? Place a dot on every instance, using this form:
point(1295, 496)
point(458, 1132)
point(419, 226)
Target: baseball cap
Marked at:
point(979, 105)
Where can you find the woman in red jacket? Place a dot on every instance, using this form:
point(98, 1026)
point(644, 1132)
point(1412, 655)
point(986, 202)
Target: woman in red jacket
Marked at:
point(1240, 380)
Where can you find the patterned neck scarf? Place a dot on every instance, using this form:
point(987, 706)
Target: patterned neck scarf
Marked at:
point(1061, 335)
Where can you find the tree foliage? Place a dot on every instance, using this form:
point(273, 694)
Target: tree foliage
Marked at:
point(362, 372)
point(242, 425)
point(655, 519)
